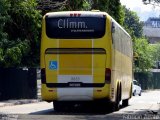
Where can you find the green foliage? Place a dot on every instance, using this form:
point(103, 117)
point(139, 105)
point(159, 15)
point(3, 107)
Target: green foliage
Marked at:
point(21, 25)
point(12, 57)
point(115, 10)
point(157, 55)
point(112, 7)
point(144, 51)
point(132, 23)
point(4, 6)
point(1, 55)
point(145, 59)
point(155, 52)
point(19, 33)
point(75, 5)
point(3, 17)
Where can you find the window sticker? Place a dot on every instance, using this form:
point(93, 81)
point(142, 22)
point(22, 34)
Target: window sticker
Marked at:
point(53, 65)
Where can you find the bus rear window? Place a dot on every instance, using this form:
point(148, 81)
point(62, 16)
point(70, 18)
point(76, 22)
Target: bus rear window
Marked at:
point(75, 27)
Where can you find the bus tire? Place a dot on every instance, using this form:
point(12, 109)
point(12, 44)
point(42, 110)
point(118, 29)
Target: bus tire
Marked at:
point(116, 104)
point(131, 91)
point(125, 102)
point(57, 106)
point(140, 93)
point(134, 93)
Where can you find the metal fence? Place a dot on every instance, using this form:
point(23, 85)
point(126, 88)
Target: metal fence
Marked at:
point(18, 83)
point(148, 80)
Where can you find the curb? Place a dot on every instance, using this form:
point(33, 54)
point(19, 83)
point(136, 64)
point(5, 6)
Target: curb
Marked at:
point(18, 102)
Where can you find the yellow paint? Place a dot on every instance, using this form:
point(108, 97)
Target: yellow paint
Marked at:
point(99, 68)
point(51, 75)
point(86, 64)
point(87, 43)
point(71, 64)
point(46, 95)
point(123, 73)
point(104, 93)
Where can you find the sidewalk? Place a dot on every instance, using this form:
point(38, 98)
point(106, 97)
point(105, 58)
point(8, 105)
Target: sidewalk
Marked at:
point(18, 102)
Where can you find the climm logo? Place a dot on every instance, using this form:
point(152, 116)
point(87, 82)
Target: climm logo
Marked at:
point(65, 23)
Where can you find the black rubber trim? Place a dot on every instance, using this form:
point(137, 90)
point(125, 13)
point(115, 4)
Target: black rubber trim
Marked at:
point(43, 75)
point(66, 85)
point(75, 51)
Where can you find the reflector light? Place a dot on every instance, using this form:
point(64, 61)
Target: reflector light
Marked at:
point(51, 90)
point(99, 90)
point(75, 14)
point(108, 75)
point(71, 15)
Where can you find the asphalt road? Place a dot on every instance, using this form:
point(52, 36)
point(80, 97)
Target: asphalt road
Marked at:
point(146, 106)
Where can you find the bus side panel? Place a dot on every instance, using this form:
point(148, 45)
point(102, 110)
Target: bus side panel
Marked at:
point(122, 65)
point(123, 73)
point(127, 76)
point(105, 43)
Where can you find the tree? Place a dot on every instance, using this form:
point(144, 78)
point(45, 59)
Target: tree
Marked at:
point(145, 60)
point(112, 7)
point(132, 23)
point(144, 52)
point(63, 5)
point(76, 5)
point(4, 6)
point(21, 44)
point(155, 53)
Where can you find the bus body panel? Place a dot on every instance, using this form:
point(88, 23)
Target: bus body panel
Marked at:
point(122, 72)
point(72, 68)
point(84, 68)
point(122, 62)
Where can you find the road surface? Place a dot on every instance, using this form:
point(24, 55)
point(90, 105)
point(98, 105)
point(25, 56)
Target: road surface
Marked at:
point(146, 106)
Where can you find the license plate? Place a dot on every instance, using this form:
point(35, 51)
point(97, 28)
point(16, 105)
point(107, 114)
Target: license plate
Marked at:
point(74, 84)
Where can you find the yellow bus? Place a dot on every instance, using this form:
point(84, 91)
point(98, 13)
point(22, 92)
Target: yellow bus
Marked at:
point(85, 56)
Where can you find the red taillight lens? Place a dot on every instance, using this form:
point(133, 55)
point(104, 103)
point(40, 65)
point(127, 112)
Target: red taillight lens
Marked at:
point(108, 75)
point(75, 15)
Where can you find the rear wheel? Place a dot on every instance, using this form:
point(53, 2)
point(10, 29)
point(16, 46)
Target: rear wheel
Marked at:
point(125, 102)
point(101, 106)
point(140, 93)
point(134, 93)
point(116, 105)
point(57, 106)
point(60, 106)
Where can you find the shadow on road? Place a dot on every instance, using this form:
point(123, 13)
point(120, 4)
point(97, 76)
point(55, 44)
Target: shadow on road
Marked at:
point(74, 111)
point(79, 113)
point(83, 114)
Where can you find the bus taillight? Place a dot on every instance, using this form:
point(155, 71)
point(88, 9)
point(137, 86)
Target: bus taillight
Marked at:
point(75, 15)
point(108, 75)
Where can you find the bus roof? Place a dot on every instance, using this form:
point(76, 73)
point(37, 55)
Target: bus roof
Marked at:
point(76, 14)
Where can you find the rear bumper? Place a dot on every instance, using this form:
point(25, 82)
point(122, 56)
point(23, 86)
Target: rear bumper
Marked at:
point(66, 85)
point(75, 93)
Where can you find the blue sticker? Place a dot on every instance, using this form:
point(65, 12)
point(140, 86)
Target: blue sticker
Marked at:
point(53, 65)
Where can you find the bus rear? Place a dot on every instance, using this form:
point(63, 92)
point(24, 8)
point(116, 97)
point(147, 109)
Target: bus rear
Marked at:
point(75, 56)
